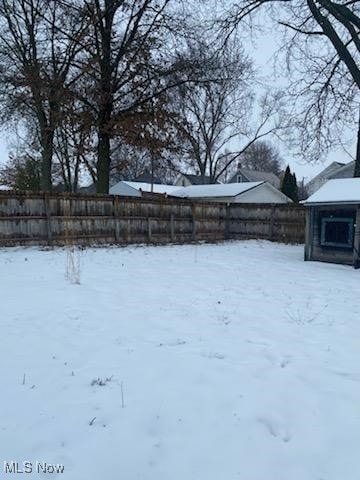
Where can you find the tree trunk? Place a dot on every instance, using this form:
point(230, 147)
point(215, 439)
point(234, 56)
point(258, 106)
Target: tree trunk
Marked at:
point(104, 18)
point(357, 159)
point(46, 161)
point(103, 163)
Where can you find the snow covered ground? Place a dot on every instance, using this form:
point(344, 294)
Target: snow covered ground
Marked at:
point(209, 362)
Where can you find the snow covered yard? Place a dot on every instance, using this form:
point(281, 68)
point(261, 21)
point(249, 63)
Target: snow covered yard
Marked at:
point(209, 362)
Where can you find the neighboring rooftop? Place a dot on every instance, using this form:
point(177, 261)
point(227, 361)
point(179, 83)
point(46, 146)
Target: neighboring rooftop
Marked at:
point(256, 176)
point(144, 187)
point(344, 190)
point(223, 190)
point(198, 179)
point(329, 172)
point(345, 171)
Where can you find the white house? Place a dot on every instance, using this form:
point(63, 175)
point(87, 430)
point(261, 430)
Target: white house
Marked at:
point(135, 189)
point(246, 192)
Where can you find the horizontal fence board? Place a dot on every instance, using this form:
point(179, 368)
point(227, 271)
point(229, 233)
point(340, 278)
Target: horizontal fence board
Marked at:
point(28, 218)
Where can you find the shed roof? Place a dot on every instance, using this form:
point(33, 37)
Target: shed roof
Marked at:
point(344, 190)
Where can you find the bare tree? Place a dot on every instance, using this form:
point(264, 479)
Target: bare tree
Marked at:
point(129, 162)
point(73, 145)
point(39, 40)
point(215, 115)
point(130, 63)
point(322, 47)
point(114, 61)
point(262, 155)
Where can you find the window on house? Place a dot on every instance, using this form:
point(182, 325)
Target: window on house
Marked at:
point(337, 232)
point(240, 178)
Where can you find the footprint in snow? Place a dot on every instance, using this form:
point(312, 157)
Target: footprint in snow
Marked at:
point(275, 428)
point(274, 360)
point(285, 362)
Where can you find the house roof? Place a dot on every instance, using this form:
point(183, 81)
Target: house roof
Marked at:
point(144, 187)
point(327, 172)
point(257, 176)
point(344, 190)
point(345, 171)
point(198, 179)
point(221, 190)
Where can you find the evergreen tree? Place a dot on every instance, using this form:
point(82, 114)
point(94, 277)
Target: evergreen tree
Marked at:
point(22, 173)
point(295, 193)
point(289, 185)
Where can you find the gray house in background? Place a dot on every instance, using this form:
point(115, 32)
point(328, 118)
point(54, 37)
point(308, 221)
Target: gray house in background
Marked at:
point(247, 175)
point(332, 172)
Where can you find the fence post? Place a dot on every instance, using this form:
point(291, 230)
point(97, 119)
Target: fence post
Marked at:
point(149, 230)
point(271, 225)
point(193, 222)
point(48, 218)
point(172, 227)
point(227, 221)
point(116, 221)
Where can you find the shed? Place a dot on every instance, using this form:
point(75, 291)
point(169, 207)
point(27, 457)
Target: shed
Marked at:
point(246, 192)
point(333, 222)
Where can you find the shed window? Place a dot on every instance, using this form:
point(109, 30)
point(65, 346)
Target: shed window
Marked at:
point(337, 232)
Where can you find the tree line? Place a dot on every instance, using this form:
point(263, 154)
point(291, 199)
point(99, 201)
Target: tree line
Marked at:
point(107, 87)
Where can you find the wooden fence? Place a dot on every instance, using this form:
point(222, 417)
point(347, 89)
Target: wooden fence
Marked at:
point(60, 219)
point(280, 223)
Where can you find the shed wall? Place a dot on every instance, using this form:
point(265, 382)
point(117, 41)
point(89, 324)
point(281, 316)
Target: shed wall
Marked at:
point(313, 248)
